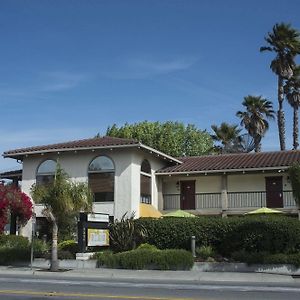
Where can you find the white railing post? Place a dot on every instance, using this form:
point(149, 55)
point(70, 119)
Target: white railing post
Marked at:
point(224, 196)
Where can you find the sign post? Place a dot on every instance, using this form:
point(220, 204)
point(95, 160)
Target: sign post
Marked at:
point(93, 230)
point(32, 239)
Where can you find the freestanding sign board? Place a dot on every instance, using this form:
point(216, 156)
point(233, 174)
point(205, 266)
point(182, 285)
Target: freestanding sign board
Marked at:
point(93, 230)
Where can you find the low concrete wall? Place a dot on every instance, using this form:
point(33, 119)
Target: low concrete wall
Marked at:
point(66, 264)
point(198, 266)
point(244, 268)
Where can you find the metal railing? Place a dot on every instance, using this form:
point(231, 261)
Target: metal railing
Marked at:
point(237, 200)
point(289, 200)
point(203, 201)
point(246, 199)
point(171, 201)
point(208, 200)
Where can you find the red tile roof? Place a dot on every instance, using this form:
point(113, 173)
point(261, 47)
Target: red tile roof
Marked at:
point(226, 162)
point(105, 141)
point(94, 143)
point(11, 174)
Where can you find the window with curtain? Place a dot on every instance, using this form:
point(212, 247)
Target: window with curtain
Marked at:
point(145, 182)
point(45, 172)
point(101, 176)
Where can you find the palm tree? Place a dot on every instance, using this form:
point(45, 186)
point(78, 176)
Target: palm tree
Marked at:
point(284, 42)
point(226, 134)
point(254, 119)
point(61, 198)
point(292, 92)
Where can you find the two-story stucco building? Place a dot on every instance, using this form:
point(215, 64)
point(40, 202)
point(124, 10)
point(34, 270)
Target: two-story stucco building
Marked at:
point(124, 174)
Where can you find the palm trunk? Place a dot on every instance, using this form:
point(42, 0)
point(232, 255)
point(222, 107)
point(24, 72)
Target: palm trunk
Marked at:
point(257, 144)
point(295, 129)
point(280, 114)
point(54, 257)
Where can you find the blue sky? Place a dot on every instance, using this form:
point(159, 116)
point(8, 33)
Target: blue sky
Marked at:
point(69, 69)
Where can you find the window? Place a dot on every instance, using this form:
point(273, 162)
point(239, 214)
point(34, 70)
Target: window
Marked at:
point(46, 171)
point(101, 174)
point(145, 182)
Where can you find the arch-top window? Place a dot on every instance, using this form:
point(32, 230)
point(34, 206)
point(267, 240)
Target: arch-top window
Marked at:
point(101, 174)
point(45, 172)
point(145, 167)
point(146, 182)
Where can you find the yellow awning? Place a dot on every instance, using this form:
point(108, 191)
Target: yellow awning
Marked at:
point(149, 211)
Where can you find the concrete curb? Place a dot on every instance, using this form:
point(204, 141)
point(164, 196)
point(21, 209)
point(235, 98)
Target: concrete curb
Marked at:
point(280, 269)
point(153, 275)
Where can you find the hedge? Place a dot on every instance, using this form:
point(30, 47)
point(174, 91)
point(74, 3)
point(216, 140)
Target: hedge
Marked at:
point(266, 258)
point(70, 246)
point(273, 234)
point(143, 258)
point(14, 248)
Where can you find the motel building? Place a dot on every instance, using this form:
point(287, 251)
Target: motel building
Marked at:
point(127, 176)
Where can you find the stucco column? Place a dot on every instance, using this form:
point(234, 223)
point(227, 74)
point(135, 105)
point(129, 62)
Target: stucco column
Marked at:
point(224, 197)
point(159, 193)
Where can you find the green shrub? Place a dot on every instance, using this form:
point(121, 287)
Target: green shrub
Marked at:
point(126, 234)
point(14, 241)
point(13, 248)
point(147, 246)
point(205, 252)
point(171, 259)
point(273, 234)
point(62, 254)
point(40, 248)
point(266, 258)
point(70, 246)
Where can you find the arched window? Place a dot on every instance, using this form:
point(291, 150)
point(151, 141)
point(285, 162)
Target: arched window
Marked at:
point(101, 174)
point(145, 182)
point(45, 172)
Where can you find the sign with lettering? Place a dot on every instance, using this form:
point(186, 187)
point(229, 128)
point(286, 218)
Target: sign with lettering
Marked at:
point(98, 237)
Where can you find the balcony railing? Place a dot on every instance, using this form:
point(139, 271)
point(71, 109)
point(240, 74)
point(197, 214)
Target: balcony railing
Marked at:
point(246, 199)
point(208, 200)
point(203, 201)
point(236, 200)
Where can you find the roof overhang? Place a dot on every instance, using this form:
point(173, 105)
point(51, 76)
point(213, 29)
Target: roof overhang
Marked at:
point(159, 154)
point(225, 171)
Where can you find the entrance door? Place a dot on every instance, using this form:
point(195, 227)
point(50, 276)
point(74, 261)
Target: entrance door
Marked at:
point(187, 199)
point(274, 192)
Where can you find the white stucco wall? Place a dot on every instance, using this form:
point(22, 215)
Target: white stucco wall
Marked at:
point(254, 182)
point(203, 184)
point(127, 177)
point(235, 183)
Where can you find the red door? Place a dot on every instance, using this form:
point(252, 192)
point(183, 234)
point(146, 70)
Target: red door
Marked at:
point(187, 200)
point(274, 192)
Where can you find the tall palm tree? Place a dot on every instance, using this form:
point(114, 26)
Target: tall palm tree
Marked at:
point(61, 198)
point(284, 42)
point(292, 92)
point(226, 134)
point(254, 119)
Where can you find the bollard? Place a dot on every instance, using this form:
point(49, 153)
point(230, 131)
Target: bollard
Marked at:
point(193, 245)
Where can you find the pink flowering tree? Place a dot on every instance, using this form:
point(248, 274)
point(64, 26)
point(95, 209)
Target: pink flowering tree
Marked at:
point(16, 203)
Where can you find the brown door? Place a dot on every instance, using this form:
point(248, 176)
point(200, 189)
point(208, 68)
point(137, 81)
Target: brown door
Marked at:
point(187, 200)
point(274, 192)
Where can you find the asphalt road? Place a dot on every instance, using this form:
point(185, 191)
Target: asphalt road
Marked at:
point(35, 287)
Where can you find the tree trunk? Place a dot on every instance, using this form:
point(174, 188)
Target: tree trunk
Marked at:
point(299, 214)
point(295, 129)
point(54, 257)
point(257, 144)
point(280, 114)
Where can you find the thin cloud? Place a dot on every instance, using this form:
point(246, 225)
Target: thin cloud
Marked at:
point(140, 68)
point(59, 81)
point(42, 85)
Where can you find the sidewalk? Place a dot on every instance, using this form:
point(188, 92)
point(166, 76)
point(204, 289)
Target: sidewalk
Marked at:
point(153, 275)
